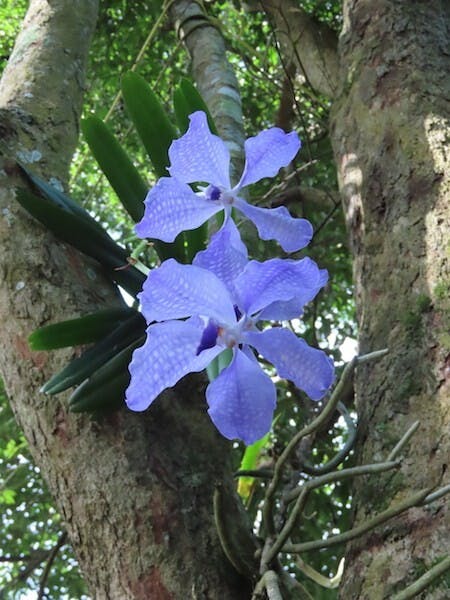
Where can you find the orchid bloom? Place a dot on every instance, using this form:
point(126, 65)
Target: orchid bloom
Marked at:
point(197, 311)
point(171, 206)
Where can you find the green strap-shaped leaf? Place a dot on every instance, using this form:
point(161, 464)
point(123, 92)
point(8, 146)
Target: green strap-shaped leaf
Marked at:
point(150, 119)
point(86, 236)
point(93, 358)
point(106, 398)
point(193, 101)
point(75, 332)
point(116, 165)
point(106, 387)
point(181, 109)
point(60, 199)
point(156, 132)
point(81, 233)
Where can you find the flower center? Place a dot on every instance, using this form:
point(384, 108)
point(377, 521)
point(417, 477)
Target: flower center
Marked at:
point(213, 193)
point(228, 336)
point(219, 194)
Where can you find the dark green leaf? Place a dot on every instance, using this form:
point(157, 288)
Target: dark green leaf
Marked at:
point(75, 332)
point(106, 387)
point(86, 237)
point(150, 119)
point(116, 165)
point(84, 366)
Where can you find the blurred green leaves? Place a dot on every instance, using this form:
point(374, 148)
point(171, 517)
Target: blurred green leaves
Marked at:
point(29, 524)
point(152, 124)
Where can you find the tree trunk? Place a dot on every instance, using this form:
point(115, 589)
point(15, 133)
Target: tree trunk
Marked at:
point(389, 134)
point(135, 490)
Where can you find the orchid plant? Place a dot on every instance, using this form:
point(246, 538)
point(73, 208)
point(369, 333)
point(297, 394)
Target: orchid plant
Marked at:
point(224, 300)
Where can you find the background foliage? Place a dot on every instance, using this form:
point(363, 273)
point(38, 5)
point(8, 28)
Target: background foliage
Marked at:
point(34, 555)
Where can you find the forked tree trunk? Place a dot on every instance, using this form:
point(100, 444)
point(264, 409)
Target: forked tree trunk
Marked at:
point(135, 490)
point(390, 132)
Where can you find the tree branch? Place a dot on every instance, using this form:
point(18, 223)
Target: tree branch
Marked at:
point(309, 44)
point(212, 72)
point(32, 96)
point(414, 500)
point(52, 555)
point(300, 198)
point(423, 582)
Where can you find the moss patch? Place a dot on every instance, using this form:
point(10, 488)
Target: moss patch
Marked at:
point(423, 303)
point(412, 319)
point(419, 568)
point(441, 294)
point(442, 291)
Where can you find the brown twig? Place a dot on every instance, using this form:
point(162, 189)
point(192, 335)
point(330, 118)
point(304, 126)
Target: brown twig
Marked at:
point(51, 557)
point(339, 391)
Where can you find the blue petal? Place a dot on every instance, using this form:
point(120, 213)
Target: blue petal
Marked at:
point(242, 400)
point(292, 309)
point(169, 353)
point(199, 155)
point(263, 283)
point(277, 224)
point(266, 153)
point(226, 255)
point(172, 207)
point(174, 291)
point(309, 368)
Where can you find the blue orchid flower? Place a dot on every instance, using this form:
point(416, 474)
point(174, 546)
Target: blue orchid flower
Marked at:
point(202, 309)
point(201, 157)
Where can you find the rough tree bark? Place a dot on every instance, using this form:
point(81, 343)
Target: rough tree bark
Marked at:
point(135, 490)
point(389, 127)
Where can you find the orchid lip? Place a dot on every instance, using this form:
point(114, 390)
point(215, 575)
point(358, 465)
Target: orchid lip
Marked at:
point(219, 194)
point(209, 337)
point(213, 193)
